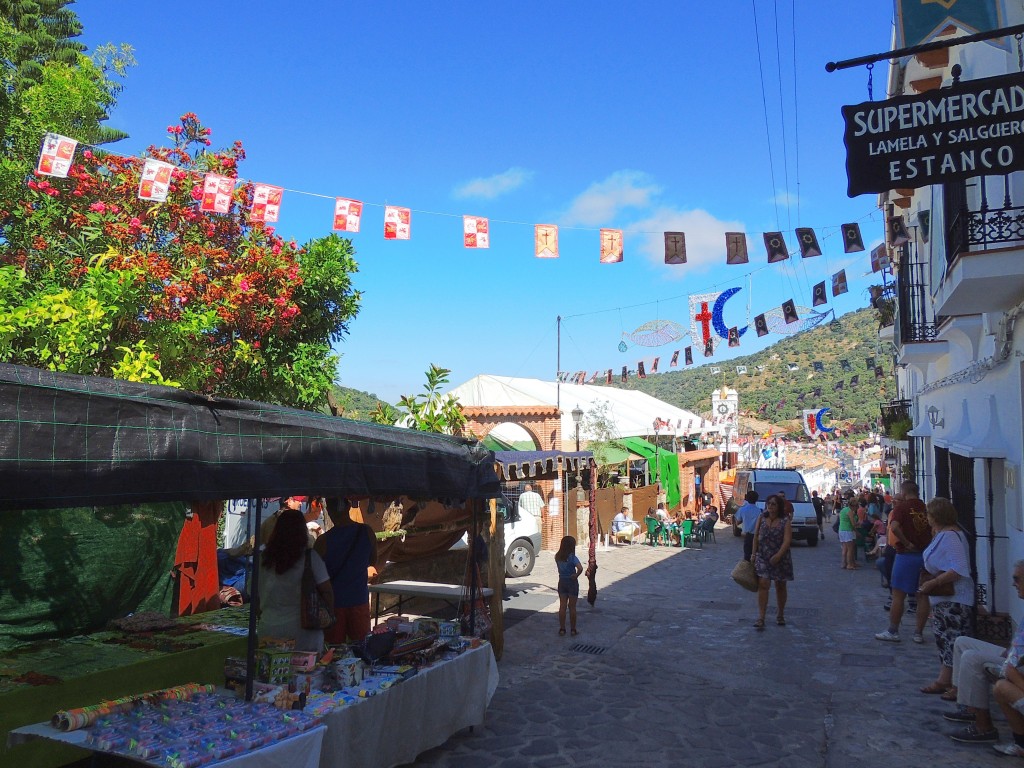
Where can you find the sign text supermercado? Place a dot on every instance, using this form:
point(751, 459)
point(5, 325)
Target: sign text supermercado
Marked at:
point(975, 128)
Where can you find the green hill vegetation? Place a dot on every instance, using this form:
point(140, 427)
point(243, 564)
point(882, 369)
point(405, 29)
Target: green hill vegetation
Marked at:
point(853, 338)
point(354, 403)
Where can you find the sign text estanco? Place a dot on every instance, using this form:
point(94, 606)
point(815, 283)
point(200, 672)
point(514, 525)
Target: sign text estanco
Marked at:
point(968, 129)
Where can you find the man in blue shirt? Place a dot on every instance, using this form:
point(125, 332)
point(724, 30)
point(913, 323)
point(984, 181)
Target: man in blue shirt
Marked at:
point(747, 516)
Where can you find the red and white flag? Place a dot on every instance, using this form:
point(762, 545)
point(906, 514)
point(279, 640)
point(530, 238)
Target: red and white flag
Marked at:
point(266, 202)
point(56, 155)
point(156, 180)
point(545, 241)
point(475, 232)
point(397, 223)
point(347, 214)
point(217, 191)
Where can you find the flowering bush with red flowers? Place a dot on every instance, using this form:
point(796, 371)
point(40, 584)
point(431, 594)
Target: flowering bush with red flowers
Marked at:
point(95, 280)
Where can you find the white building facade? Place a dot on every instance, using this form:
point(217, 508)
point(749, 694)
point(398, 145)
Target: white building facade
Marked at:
point(957, 289)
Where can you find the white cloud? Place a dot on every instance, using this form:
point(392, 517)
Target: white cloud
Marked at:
point(603, 200)
point(705, 238)
point(490, 187)
point(786, 199)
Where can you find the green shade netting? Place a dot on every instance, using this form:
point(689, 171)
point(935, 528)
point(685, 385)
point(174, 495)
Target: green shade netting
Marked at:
point(665, 463)
point(66, 572)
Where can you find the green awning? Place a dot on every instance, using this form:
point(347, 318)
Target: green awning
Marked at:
point(665, 463)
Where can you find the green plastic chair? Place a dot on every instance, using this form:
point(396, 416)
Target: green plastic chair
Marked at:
point(653, 530)
point(689, 535)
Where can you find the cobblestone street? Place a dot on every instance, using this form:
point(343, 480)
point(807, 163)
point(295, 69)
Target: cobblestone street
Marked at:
point(668, 670)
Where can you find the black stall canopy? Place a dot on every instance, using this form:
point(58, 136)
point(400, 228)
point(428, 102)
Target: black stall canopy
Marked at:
point(68, 441)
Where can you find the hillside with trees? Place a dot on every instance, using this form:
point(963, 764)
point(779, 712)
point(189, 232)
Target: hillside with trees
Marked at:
point(775, 393)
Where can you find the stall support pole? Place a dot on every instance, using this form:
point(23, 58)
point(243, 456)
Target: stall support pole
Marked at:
point(496, 579)
point(474, 565)
point(254, 604)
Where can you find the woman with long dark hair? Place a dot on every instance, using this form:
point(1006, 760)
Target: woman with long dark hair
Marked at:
point(772, 558)
point(281, 567)
point(569, 570)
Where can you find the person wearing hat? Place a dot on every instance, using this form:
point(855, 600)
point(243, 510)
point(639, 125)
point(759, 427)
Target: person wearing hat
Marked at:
point(267, 527)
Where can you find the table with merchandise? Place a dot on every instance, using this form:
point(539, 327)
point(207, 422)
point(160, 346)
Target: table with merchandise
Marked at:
point(308, 710)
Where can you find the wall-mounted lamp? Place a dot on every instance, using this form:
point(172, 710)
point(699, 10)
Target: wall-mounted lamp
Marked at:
point(933, 417)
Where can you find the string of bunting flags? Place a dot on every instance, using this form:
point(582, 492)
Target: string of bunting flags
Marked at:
point(218, 192)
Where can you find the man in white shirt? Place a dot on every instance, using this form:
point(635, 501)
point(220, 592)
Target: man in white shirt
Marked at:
point(531, 503)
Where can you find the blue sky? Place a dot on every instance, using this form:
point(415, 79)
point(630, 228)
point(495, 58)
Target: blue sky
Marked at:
point(644, 117)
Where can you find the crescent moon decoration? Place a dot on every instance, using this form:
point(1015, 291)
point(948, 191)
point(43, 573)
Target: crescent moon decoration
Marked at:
point(657, 333)
point(716, 314)
point(819, 416)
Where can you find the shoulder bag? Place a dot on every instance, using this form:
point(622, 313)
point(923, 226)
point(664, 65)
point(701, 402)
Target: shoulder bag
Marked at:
point(316, 613)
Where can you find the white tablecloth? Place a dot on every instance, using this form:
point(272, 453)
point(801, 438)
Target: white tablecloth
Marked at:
point(421, 713)
point(300, 751)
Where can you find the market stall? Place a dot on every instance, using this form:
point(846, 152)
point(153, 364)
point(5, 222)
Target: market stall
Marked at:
point(76, 441)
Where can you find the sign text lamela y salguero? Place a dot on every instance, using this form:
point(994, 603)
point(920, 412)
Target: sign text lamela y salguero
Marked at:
point(974, 128)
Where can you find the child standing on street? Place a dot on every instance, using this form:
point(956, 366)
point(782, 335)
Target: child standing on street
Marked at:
point(569, 570)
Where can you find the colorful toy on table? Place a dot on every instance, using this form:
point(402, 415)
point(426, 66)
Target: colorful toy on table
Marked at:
point(73, 719)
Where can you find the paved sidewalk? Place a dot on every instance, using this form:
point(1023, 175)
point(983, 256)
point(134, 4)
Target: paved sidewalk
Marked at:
point(668, 670)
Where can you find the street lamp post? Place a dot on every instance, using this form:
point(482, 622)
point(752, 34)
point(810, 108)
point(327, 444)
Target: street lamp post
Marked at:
point(577, 417)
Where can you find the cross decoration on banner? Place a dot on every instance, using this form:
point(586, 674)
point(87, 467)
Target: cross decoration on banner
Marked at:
point(852, 240)
point(776, 246)
point(347, 214)
point(839, 283)
point(808, 242)
point(266, 203)
point(611, 246)
point(675, 248)
point(475, 232)
point(56, 155)
point(736, 248)
point(545, 241)
point(217, 191)
point(397, 223)
point(155, 181)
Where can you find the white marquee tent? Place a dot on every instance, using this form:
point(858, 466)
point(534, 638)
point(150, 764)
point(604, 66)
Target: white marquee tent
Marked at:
point(632, 412)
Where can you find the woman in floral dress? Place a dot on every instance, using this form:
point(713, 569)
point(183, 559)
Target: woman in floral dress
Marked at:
point(772, 558)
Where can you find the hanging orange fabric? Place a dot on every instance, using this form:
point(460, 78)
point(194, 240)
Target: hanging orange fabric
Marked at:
point(195, 561)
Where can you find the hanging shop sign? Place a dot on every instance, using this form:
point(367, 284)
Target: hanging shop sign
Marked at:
point(973, 128)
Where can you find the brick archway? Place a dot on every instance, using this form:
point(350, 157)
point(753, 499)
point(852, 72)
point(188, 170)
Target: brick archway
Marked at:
point(543, 423)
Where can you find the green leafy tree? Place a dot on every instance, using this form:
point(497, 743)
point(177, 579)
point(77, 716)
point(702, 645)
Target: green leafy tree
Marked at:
point(94, 280)
point(39, 31)
point(600, 425)
point(428, 412)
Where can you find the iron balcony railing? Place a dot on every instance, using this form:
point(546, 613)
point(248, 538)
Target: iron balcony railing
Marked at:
point(982, 212)
point(914, 308)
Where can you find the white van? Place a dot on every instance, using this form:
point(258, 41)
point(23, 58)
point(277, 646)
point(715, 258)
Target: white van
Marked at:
point(769, 481)
point(522, 539)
